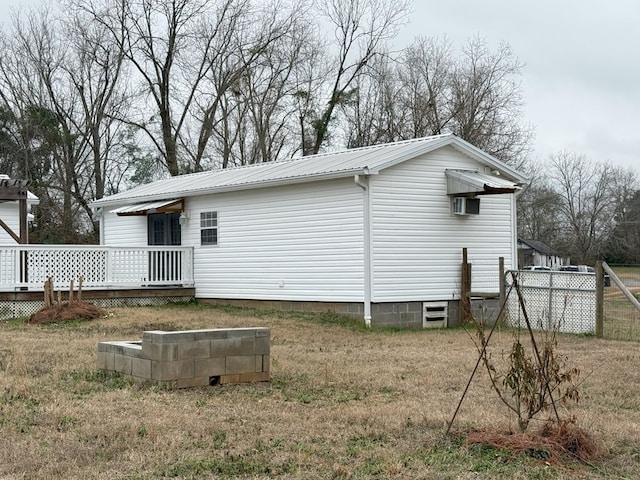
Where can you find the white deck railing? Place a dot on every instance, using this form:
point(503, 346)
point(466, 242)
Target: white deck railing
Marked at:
point(27, 267)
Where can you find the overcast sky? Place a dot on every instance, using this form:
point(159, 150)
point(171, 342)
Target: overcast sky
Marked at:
point(581, 78)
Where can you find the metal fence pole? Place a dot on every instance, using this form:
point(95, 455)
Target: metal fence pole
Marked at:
point(502, 286)
point(599, 299)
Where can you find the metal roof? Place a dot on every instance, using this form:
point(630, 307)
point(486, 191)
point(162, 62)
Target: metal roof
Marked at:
point(540, 247)
point(357, 161)
point(142, 208)
point(469, 181)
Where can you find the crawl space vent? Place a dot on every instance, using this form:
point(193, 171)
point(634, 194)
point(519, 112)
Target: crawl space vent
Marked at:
point(434, 314)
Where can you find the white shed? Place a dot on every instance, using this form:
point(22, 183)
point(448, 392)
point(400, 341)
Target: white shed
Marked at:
point(376, 232)
point(12, 192)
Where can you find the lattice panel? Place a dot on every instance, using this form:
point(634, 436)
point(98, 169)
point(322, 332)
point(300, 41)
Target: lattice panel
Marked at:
point(554, 300)
point(19, 309)
point(8, 263)
point(66, 265)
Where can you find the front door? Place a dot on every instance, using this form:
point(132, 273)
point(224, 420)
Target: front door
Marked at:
point(164, 229)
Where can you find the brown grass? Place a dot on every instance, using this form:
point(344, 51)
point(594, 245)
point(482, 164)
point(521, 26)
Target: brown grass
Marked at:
point(343, 403)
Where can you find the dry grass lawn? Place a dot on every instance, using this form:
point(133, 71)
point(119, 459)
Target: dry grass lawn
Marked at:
point(343, 403)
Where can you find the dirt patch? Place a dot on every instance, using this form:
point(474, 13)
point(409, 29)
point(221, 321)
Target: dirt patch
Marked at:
point(66, 312)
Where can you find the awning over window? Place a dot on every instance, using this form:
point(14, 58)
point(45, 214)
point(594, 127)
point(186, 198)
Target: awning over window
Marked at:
point(464, 182)
point(162, 206)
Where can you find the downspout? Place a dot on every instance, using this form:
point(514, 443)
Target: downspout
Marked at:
point(363, 183)
point(514, 230)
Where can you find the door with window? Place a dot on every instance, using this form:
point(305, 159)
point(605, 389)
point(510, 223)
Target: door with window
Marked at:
point(164, 229)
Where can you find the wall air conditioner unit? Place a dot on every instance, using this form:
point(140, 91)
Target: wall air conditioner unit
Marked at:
point(466, 206)
point(435, 314)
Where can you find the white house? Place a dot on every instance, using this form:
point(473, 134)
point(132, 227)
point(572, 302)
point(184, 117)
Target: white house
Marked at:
point(11, 193)
point(535, 253)
point(376, 232)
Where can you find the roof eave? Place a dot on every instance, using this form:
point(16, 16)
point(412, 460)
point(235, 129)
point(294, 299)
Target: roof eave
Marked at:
point(489, 160)
point(231, 188)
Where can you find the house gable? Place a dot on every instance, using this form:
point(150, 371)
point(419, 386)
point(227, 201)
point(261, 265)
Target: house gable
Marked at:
point(418, 241)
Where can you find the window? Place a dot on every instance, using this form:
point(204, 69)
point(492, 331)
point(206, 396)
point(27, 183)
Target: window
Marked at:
point(209, 228)
point(164, 229)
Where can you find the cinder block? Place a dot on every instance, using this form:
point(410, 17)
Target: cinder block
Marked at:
point(224, 379)
point(210, 334)
point(106, 360)
point(225, 347)
point(258, 363)
point(191, 382)
point(262, 332)
point(162, 352)
point(262, 345)
point(122, 364)
point(123, 348)
point(254, 377)
point(195, 349)
point(240, 364)
point(241, 332)
point(209, 367)
point(141, 367)
point(172, 370)
point(153, 336)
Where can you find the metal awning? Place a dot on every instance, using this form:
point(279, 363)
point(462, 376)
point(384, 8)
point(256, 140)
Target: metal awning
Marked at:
point(162, 206)
point(464, 182)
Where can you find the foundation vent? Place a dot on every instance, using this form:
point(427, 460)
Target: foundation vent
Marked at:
point(435, 314)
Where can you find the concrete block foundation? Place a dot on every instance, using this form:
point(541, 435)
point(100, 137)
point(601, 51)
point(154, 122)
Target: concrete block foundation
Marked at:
point(191, 358)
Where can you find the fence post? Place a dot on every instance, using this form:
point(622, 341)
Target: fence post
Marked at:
point(599, 299)
point(465, 288)
point(502, 286)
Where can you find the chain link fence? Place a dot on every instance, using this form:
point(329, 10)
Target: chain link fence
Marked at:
point(621, 319)
point(562, 301)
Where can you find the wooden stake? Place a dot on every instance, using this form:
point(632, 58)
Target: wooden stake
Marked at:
point(47, 293)
point(70, 290)
point(80, 280)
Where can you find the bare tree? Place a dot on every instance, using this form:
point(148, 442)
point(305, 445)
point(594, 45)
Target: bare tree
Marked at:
point(539, 216)
point(60, 78)
point(376, 114)
point(623, 245)
point(426, 77)
point(487, 101)
point(94, 67)
point(360, 28)
point(244, 101)
point(587, 207)
point(429, 91)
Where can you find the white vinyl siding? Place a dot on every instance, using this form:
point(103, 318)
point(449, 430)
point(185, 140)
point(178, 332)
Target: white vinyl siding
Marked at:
point(10, 214)
point(298, 243)
point(417, 242)
point(124, 231)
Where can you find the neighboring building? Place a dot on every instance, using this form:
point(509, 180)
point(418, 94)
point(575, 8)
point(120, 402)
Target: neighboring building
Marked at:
point(10, 209)
point(537, 254)
point(376, 232)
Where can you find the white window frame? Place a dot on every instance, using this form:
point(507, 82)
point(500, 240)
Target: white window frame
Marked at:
point(209, 223)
